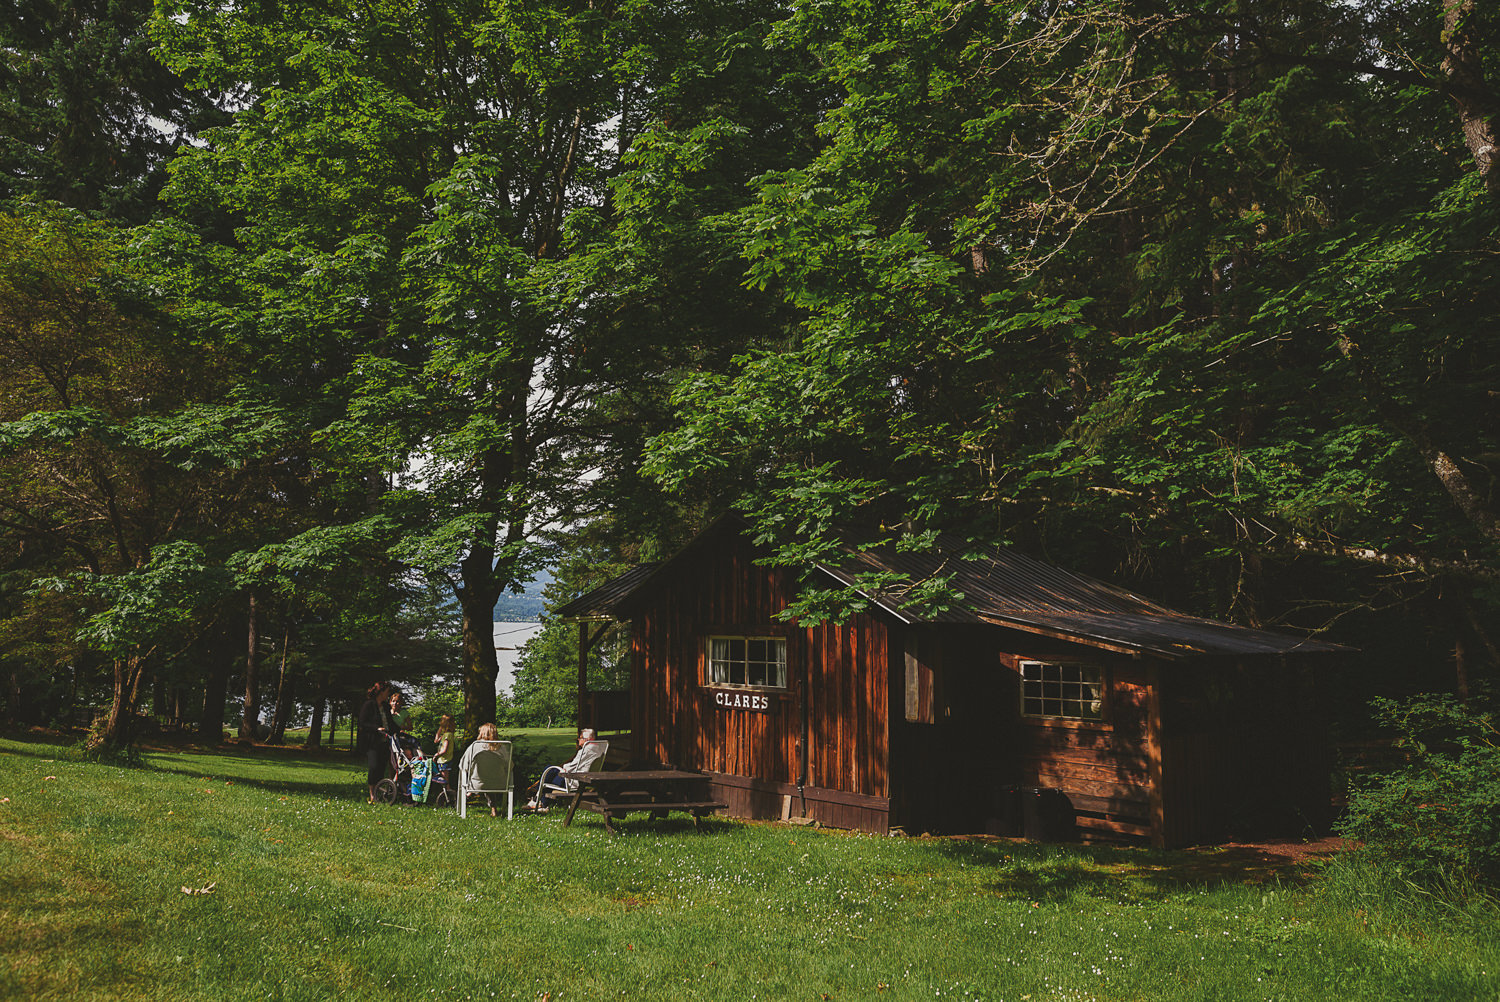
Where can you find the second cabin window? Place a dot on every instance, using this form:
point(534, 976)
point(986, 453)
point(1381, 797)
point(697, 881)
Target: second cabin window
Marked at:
point(757, 661)
point(1063, 691)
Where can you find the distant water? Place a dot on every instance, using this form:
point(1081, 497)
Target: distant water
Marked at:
point(511, 635)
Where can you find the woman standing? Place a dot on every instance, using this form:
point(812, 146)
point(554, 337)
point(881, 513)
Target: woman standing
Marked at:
point(373, 720)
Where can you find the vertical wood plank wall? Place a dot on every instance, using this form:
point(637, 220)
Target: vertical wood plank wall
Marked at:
point(839, 669)
point(1243, 752)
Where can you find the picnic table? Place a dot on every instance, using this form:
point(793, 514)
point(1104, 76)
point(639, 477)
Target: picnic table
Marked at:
point(615, 794)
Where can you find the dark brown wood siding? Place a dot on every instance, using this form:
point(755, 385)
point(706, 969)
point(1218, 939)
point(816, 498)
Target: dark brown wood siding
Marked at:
point(920, 726)
point(1243, 752)
point(839, 670)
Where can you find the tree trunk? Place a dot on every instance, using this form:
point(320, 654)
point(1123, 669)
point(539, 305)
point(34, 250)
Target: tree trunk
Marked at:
point(315, 727)
point(481, 667)
point(118, 730)
point(250, 717)
point(285, 691)
point(1463, 65)
point(14, 697)
point(215, 687)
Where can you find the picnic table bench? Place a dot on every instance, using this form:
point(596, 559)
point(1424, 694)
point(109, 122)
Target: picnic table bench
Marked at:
point(658, 791)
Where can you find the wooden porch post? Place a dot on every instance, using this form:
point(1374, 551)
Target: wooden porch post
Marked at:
point(583, 670)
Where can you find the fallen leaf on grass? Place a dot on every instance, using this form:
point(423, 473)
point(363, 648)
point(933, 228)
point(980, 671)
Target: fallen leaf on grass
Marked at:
point(45, 778)
point(201, 890)
point(4, 800)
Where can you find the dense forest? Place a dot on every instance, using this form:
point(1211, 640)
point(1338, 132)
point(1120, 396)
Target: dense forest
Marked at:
point(324, 326)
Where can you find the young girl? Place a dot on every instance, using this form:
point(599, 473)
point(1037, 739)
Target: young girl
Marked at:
point(443, 757)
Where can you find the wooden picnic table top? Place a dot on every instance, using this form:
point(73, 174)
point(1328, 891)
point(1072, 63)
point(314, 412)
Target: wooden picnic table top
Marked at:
point(657, 791)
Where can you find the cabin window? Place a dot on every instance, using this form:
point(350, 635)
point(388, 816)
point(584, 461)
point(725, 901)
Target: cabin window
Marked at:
point(756, 661)
point(1063, 691)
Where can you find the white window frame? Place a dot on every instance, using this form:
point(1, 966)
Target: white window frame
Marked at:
point(720, 662)
point(1063, 690)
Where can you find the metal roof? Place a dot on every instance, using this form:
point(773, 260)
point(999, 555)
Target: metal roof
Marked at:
point(1001, 587)
point(601, 602)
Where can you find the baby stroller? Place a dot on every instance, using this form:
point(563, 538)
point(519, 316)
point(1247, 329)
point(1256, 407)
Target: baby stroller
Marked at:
point(412, 770)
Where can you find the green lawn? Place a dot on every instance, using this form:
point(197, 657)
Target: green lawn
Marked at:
point(316, 894)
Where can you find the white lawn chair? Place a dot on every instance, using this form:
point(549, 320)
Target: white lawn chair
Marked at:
point(589, 759)
point(486, 768)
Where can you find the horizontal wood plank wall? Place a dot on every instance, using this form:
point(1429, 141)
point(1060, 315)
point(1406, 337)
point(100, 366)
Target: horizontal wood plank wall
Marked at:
point(715, 588)
point(753, 798)
point(1104, 768)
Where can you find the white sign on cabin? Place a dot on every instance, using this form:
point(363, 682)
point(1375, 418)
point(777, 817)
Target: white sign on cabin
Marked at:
point(732, 699)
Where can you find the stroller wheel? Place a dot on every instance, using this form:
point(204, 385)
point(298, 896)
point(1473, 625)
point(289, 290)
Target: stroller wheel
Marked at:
point(386, 792)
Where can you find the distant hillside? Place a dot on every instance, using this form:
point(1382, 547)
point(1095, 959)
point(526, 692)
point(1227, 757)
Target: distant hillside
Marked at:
point(526, 607)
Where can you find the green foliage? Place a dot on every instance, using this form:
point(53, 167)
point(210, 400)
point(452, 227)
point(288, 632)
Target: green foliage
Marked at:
point(432, 702)
point(145, 605)
point(1437, 819)
point(88, 115)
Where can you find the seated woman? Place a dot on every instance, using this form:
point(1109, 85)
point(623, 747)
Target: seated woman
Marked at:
point(551, 785)
point(488, 740)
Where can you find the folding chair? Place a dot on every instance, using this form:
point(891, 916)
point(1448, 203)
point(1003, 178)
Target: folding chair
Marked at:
point(592, 761)
point(486, 768)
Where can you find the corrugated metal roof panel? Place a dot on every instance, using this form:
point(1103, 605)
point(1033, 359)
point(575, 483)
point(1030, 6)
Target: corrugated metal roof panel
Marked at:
point(999, 585)
point(1002, 587)
point(602, 601)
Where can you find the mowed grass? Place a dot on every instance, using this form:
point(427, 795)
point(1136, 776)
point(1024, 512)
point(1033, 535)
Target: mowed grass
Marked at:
point(317, 895)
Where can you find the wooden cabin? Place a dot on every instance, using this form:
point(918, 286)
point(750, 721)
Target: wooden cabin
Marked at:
point(1045, 703)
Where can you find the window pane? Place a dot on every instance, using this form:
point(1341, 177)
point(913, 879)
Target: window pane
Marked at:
point(1068, 691)
point(757, 661)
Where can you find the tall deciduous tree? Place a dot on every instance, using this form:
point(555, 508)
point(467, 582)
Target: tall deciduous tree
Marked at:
point(428, 232)
point(118, 450)
point(1208, 288)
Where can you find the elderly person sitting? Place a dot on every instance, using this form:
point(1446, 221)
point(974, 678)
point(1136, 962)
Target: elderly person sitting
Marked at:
point(590, 750)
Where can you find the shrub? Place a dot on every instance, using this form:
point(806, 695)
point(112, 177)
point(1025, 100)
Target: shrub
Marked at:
point(422, 719)
point(1437, 817)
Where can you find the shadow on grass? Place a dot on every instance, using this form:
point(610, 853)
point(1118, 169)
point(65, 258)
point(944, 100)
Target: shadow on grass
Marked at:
point(248, 770)
point(640, 824)
point(1052, 872)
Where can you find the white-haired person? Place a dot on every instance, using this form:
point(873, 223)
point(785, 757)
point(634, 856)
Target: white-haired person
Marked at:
point(551, 785)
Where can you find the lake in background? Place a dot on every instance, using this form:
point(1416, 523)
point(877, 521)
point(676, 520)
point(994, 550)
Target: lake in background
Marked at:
point(511, 635)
